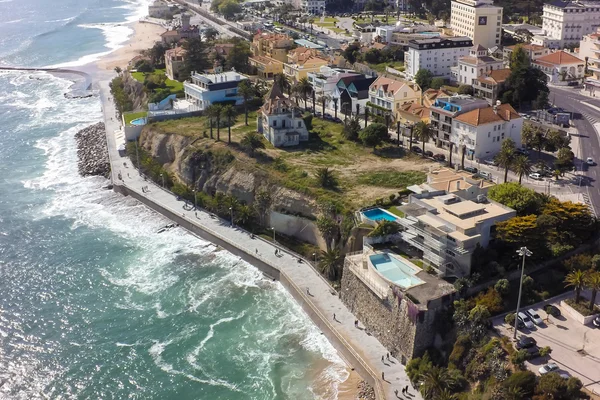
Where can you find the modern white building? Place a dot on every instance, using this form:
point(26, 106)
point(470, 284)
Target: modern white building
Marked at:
point(476, 64)
point(445, 109)
point(480, 20)
point(589, 51)
point(160, 9)
point(310, 6)
point(279, 120)
point(561, 67)
point(325, 80)
point(438, 55)
point(566, 22)
point(205, 89)
point(482, 131)
point(384, 32)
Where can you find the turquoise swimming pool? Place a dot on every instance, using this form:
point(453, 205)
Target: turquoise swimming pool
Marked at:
point(377, 214)
point(138, 121)
point(395, 270)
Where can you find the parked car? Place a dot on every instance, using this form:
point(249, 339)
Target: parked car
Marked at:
point(526, 320)
point(534, 317)
point(490, 162)
point(485, 175)
point(338, 120)
point(416, 149)
point(439, 157)
point(429, 153)
point(536, 176)
point(552, 310)
point(548, 368)
point(523, 151)
point(472, 170)
point(532, 352)
point(590, 161)
point(327, 116)
point(525, 342)
point(596, 321)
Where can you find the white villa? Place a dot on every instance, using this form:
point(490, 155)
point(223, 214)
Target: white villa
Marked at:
point(279, 120)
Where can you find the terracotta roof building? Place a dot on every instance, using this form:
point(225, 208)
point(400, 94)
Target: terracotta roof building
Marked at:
point(387, 95)
point(561, 67)
point(489, 86)
point(174, 59)
point(533, 51)
point(430, 95)
point(474, 65)
point(273, 45)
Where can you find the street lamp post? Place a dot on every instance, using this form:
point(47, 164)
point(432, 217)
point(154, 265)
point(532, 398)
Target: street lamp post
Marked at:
point(231, 211)
point(273, 234)
point(315, 256)
point(163, 180)
point(195, 200)
point(523, 252)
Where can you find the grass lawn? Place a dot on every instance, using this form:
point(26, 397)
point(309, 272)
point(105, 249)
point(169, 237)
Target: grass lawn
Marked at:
point(399, 65)
point(452, 89)
point(392, 179)
point(131, 116)
point(395, 211)
point(174, 86)
point(380, 174)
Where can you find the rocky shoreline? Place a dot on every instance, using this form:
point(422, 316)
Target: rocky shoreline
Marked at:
point(92, 151)
point(365, 391)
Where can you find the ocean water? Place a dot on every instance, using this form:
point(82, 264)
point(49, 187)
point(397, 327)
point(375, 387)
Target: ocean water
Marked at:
point(94, 304)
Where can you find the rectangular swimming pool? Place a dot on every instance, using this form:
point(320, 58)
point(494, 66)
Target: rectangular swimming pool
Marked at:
point(377, 214)
point(395, 270)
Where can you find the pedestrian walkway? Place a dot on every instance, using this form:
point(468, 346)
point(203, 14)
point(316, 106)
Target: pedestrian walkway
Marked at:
point(309, 283)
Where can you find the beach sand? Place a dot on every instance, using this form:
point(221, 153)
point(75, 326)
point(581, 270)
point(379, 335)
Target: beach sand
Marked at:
point(144, 37)
point(348, 390)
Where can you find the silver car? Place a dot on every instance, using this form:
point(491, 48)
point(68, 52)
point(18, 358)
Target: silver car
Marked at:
point(534, 317)
point(550, 367)
point(526, 320)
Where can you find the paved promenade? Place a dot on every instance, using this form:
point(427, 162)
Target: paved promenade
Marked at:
point(315, 292)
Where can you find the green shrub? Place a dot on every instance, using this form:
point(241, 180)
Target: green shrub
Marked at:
point(523, 380)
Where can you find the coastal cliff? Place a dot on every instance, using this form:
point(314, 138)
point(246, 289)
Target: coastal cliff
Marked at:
point(213, 168)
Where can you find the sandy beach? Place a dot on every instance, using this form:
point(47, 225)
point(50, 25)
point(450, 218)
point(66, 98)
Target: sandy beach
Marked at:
point(144, 37)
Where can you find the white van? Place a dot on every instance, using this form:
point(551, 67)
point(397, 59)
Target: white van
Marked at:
point(485, 175)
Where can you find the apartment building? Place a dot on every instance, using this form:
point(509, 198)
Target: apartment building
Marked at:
point(272, 45)
point(301, 61)
point(533, 51)
point(438, 55)
point(589, 51)
point(266, 67)
point(482, 131)
point(566, 22)
point(207, 89)
point(475, 65)
point(309, 6)
point(324, 80)
point(489, 85)
point(387, 95)
point(480, 20)
point(445, 109)
point(448, 217)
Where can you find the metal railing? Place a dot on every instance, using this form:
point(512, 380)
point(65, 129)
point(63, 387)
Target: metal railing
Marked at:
point(375, 285)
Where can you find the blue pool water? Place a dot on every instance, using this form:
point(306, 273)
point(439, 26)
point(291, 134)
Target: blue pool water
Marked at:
point(395, 270)
point(138, 121)
point(377, 214)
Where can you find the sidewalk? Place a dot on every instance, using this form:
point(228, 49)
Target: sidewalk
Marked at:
point(322, 298)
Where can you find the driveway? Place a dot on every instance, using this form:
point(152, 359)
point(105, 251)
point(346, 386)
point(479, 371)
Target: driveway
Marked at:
point(575, 347)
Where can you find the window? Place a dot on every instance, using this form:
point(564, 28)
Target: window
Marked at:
point(299, 124)
point(274, 123)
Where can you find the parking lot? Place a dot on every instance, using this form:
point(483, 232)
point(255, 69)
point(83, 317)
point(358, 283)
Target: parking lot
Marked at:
point(575, 347)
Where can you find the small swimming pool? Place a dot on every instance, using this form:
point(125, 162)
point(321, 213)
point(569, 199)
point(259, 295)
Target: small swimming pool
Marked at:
point(377, 214)
point(395, 270)
point(138, 121)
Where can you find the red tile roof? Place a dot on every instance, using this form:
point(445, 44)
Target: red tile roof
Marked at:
point(482, 116)
point(558, 58)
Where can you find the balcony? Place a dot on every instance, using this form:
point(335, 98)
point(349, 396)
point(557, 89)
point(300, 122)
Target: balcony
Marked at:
point(595, 69)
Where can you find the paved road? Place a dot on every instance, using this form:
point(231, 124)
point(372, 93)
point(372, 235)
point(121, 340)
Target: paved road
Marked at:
point(301, 274)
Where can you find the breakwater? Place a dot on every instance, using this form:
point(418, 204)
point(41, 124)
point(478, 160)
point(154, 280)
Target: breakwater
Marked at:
point(92, 151)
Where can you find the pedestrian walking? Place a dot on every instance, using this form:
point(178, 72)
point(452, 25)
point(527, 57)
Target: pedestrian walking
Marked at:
point(382, 359)
point(383, 376)
point(403, 390)
point(396, 392)
point(256, 251)
point(406, 389)
point(334, 318)
point(307, 291)
point(387, 356)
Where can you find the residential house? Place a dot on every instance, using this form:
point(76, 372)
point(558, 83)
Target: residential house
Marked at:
point(475, 65)
point(589, 51)
point(205, 89)
point(266, 67)
point(383, 33)
point(365, 32)
point(314, 7)
point(273, 45)
point(352, 92)
point(533, 51)
point(386, 95)
point(430, 95)
point(161, 9)
point(324, 80)
point(561, 67)
point(480, 20)
point(174, 60)
point(437, 55)
point(566, 22)
point(301, 61)
point(411, 113)
point(444, 109)
point(449, 217)
point(481, 131)
point(280, 121)
point(490, 85)
point(183, 31)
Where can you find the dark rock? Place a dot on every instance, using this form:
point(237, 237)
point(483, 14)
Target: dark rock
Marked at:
point(92, 151)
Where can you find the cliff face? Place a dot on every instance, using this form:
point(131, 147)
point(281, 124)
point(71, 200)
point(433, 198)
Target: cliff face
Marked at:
point(190, 163)
point(135, 91)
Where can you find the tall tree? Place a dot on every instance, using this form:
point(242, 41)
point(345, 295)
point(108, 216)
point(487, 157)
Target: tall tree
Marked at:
point(576, 279)
point(284, 83)
point(423, 78)
point(196, 58)
point(424, 132)
point(303, 88)
point(210, 34)
point(434, 382)
point(211, 113)
point(230, 113)
point(506, 156)
point(218, 113)
point(330, 263)
point(238, 57)
point(252, 141)
point(373, 135)
point(246, 91)
point(522, 166)
point(593, 283)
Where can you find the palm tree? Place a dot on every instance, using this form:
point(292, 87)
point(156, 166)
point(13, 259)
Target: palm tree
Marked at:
point(284, 83)
point(450, 152)
point(577, 280)
point(252, 141)
point(330, 263)
point(303, 88)
point(335, 106)
point(211, 112)
point(506, 156)
point(435, 381)
point(593, 283)
point(463, 150)
point(244, 214)
point(310, 21)
point(522, 166)
point(314, 99)
point(514, 393)
point(412, 128)
point(326, 178)
point(217, 113)
point(246, 90)
point(230, 113)
point(325, 99)
point(447, 395)
point(424, 133)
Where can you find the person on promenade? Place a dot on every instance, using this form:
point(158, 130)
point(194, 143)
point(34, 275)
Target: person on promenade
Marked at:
point(382, 360)
point(382, 375)
point(334, 318)
point(387, 356)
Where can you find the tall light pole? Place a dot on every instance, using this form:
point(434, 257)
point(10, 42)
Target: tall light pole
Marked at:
point(231, 212)
point(523, 252)
point(315, 256)
point(195, 201)
point(163, 180)
point(273, 234)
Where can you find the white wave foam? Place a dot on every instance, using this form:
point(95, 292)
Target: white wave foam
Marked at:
point(14, 21)
point(62, 20)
